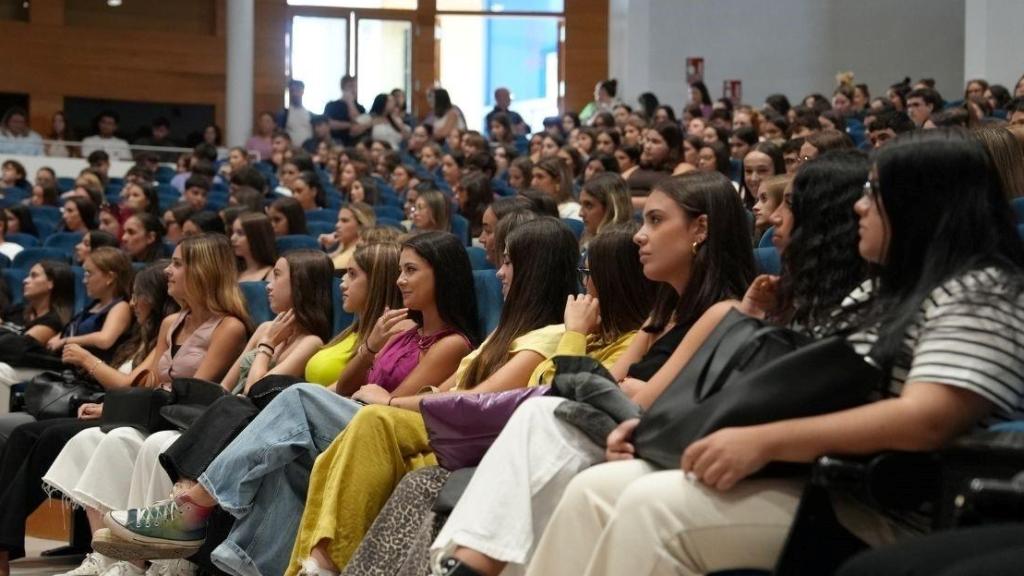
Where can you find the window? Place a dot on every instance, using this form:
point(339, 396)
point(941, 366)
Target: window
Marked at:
point(319, 57)
point(554, 6)
point(388, 4)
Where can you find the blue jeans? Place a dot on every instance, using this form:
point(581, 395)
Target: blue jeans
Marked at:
point(261, 478)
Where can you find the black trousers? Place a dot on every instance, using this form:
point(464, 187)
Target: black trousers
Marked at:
point(192, 452)
point(30, 451)
point(996, 550)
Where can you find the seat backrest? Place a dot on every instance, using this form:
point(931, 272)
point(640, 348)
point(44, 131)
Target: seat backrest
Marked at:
point(5, 262)
point(386, 211)
point(256, 301)
point(1018, 209)
point(81, 298)
point(24, 240)
point(14, 278)
point(766, 239)
point(767, 260)
point(315, 228)
point(478, 258)
point(322, 215)
point(63, 240)
point(296, 242)
point(391, 223)
point(575, 225)
point(488, 299)
point(51, 213)
point(460, 227)
point(29, 256)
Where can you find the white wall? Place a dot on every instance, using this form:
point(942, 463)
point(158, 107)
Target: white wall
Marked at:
point(994, 41)
point(790, 46)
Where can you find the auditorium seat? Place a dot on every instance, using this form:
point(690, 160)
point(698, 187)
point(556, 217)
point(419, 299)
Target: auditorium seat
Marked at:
point(5, 262)
point(767, 260)
point(81, 297)
point(460, 227)
point(49, 213)
point(256, 302)
point(1018, 209)
point(391, 223)
point(29, 256)
point(478, 258)
point(14, 278)
point(575, 225)
point(23, 240)
point(296, 242)
point(766, 239)
point(65, 241)
point(342, 319)
point(488, 299)
point(316, 228)
point(322, 215)
point(387, 211)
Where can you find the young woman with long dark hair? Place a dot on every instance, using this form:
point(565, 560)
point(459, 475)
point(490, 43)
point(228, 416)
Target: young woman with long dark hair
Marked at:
point(942, 319)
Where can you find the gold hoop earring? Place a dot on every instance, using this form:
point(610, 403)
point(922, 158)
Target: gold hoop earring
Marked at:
point(694, 247)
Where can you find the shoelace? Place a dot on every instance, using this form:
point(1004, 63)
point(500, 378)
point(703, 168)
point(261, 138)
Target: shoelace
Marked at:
point(152, 517)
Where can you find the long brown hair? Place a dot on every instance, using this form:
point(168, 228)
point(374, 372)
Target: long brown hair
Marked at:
point(211, 276)
point(543, 254)
point(311, 273)
point(260, 234)
point(380, 262)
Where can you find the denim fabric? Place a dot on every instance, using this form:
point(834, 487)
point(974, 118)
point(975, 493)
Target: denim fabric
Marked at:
point(261, 478)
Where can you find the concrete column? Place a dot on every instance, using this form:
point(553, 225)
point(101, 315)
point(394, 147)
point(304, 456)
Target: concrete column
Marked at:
point(240, 64)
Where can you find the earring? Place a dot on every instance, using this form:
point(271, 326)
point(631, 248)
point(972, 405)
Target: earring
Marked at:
point(694, 247)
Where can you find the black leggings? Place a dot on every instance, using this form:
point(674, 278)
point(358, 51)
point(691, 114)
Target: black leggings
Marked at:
point(30, 451)
point(996, 550)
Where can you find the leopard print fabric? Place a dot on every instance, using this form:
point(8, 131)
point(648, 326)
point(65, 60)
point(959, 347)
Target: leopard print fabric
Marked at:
point(399, 540)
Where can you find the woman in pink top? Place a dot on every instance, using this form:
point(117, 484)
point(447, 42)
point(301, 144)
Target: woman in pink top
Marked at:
point(261, 139)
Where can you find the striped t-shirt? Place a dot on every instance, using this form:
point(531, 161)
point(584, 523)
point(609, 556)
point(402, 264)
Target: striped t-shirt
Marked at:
point(969, 334)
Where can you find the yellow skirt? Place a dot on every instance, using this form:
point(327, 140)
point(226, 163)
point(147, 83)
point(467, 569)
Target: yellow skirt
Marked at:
point(355, 476)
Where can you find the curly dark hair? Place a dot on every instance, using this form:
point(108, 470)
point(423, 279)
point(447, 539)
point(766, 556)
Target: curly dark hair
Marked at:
point(821, 264)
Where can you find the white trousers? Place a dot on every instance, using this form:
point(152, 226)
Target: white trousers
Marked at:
point(112, 471)
point(518, 483)
point(628, 518)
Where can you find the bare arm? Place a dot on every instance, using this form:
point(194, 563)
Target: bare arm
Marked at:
point(230, 379)
point(293, 364)
point(40, 333)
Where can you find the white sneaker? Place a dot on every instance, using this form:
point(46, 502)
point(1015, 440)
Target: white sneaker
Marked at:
point(94, 564)
point(177, 567)
point(123, 569)
point(311, 568)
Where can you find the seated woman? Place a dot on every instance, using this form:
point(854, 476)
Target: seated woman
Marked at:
point(353, 220)
point(252, 239)
point(307, 190)
point(693, 240)
point(35, 445)
point(942, 319)
point(552, 177)
point(600, 324)
point(287, 217)
point(604, 200)
point(92, 240)
point(769, 198)
point(102, 472)
point(261, 475)
point(79, 215)
point(432, 211)
point(49, 294)
point(142, 237)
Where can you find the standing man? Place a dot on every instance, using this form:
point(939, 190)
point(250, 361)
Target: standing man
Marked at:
point(295, 119)
point(342, 114)
point(502, 101)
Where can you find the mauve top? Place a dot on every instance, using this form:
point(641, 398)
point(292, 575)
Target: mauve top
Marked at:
point(399, 356)
point(183, 361)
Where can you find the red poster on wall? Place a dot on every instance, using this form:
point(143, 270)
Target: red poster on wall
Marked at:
point(694, 70)
point(733, 90)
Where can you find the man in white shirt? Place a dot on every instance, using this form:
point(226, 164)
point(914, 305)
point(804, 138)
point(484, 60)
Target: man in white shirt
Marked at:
point(106, 125)
point(295, 119)
point(16, 137)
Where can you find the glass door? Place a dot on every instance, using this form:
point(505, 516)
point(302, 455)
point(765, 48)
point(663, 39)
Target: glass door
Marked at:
point(383, 57)
point(318, 54)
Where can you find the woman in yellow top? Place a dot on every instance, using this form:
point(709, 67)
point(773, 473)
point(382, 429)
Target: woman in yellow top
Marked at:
point(367, 289)
point(353, 479)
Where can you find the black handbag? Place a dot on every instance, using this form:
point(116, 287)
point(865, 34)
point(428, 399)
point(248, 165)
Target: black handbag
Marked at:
point(748, 373)
point(190, 397)
point(58, 394)
point(136, 406)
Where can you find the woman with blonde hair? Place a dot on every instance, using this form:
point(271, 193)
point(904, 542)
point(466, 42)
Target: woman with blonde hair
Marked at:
point(202, 341)
point(353, 220)
point(553, 177)
point(769, 196)
point(432, 212)
point(604, 200)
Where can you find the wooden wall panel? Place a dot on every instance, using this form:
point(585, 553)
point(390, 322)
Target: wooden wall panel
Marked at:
point(49, 58)
point(181, 16)
point(586, 50)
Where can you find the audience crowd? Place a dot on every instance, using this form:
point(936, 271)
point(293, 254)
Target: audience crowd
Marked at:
point(386, 345)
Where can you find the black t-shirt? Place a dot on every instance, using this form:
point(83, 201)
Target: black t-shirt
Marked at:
point(658, 354)
point(16, 315)
point(338, 110)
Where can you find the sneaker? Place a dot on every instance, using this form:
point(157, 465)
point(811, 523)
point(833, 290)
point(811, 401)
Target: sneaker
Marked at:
point(168, 529)
point(311, 568)
point(176, 567)
point(93, 565)
point(123, 569)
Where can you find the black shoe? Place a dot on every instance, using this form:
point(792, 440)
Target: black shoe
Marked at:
point(452, 567)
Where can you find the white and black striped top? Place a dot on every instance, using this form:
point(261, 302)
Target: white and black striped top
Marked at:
point(969, 334)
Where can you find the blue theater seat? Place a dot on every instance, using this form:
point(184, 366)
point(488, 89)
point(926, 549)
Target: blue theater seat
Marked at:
point(488, 299)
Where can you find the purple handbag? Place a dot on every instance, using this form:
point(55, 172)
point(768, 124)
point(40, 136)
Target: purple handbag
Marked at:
point(462, 427)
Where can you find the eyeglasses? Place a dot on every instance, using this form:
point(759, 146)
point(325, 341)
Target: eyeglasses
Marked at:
point(584, 273)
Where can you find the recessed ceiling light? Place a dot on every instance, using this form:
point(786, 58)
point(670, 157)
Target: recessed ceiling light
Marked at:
point(113, 3)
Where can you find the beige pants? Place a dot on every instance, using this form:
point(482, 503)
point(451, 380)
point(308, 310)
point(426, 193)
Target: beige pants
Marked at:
point(627, 518)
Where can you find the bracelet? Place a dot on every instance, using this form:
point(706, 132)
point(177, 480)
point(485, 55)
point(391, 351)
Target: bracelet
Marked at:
point(260, 350)
point(368, 349)
point(262, 346)
point(95, 365)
